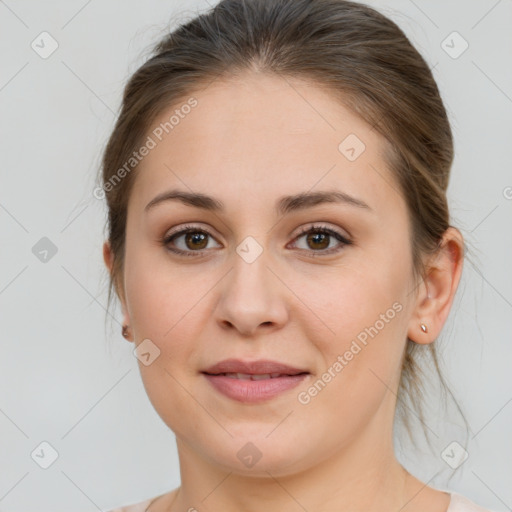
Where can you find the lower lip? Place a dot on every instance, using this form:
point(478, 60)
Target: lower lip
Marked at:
point(254, 390)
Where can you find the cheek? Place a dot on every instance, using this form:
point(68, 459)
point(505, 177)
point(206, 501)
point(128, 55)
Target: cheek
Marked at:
point(161, 296)
point(166, 308)
point(348, 299)
point(361, 363)
point(363, 328)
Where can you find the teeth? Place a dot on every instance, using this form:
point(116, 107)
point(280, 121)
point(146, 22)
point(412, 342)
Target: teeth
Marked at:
point(261, 377)
point(246, 376)
point(243, 376)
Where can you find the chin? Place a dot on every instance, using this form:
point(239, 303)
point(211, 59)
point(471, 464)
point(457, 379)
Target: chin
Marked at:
point(258, 455)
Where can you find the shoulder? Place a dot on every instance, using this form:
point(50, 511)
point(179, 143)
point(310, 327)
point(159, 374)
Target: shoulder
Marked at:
point(460, 503)
point(158, 503)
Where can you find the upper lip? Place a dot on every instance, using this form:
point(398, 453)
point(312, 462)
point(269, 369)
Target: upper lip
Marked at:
point(263, 366)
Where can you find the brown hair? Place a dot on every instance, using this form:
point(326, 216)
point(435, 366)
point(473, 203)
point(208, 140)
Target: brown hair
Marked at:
point(352, 50)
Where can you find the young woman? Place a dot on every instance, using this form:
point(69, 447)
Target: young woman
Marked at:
point(280, 242)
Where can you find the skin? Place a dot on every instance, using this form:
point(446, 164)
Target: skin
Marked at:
point(249, 141)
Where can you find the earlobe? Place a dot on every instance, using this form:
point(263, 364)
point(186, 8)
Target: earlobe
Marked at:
point(437, 291)
point(126, 332)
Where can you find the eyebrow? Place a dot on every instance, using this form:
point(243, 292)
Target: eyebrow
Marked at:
point(284, 205)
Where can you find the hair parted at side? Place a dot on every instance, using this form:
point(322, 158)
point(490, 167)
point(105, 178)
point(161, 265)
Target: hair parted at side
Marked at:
point(357, 54)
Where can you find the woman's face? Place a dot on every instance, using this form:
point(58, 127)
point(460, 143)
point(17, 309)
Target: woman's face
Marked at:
point(258, 279)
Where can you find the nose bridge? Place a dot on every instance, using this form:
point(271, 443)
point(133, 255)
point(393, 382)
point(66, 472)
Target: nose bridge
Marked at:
point(250, 272)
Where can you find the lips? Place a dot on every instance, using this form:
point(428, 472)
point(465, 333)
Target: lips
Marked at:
point(249, 376)
point(253, 381)
point(236, 368)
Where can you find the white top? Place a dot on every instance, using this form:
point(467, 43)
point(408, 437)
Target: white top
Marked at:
point(458, 503)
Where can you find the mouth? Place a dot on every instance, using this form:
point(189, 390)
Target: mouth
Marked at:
point(255, 376)
point(253, 381)
point(264, 367)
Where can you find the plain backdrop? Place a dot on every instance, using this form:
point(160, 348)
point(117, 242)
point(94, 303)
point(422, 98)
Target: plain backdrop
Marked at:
point(74, 385)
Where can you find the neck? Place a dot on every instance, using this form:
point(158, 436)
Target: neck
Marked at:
point(363, 475)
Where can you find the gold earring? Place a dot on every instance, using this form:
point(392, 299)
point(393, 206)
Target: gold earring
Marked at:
point(125, 331)
point(423, 327)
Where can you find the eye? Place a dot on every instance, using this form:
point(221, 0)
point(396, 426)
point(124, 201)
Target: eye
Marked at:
point(194, 240)
point(318, 239)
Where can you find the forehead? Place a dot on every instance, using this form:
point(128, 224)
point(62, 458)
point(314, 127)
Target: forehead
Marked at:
point(259, 136)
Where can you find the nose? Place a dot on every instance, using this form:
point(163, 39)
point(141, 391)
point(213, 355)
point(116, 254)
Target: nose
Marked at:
point(252, 298)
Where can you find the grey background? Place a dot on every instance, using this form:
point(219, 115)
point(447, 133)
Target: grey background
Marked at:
point(64, 381)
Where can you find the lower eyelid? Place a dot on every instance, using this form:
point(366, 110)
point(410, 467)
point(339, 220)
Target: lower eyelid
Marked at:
point(343, 241)
point(172, 238)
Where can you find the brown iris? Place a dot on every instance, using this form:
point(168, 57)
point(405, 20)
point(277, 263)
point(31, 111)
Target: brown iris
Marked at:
point(319, 238)
point(196, 238)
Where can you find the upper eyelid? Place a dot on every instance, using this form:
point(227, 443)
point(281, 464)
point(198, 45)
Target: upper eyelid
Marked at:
point(315, 225)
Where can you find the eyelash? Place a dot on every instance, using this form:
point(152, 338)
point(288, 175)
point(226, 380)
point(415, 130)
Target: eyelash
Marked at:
point(317, 229)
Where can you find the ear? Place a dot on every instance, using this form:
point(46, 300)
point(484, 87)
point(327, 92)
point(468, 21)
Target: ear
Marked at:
point(108, 258)
point(437, 290)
